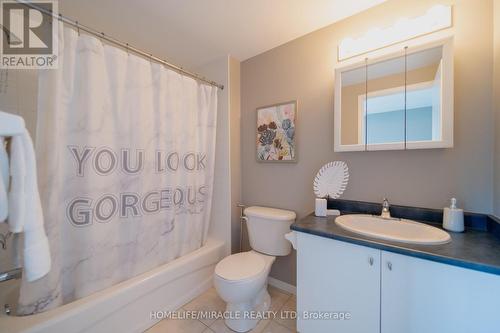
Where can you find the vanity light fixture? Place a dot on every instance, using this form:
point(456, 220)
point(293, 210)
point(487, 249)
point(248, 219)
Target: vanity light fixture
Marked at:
point(436, 18)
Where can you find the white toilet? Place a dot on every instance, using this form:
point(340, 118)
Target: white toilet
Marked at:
point(241, 278)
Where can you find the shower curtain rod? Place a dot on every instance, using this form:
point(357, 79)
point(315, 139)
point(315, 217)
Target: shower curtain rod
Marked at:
point(126, 46)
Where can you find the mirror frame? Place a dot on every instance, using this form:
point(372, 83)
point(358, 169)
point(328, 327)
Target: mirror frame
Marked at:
point(443, 39)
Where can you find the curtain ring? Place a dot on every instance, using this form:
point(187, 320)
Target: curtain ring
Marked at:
point(127, 47)
point(77, 28)
point(102, 36)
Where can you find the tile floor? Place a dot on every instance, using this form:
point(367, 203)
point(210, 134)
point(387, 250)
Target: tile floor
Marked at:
point(210, 301)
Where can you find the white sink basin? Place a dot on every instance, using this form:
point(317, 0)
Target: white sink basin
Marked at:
point(399, 230)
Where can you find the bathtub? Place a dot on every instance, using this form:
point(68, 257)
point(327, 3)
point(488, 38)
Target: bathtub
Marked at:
point(127, 306)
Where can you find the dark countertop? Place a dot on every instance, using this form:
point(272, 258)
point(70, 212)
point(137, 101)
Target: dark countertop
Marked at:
point(473, 249)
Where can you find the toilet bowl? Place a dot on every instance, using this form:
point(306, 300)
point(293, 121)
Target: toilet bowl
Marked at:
point(241, 279)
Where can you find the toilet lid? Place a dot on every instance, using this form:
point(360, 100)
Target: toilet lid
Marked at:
point(240, 266)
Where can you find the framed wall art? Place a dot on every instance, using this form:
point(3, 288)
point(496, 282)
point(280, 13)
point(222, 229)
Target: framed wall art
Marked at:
point(276, 129)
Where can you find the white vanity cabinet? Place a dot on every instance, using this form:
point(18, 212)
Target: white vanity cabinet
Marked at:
point(425, 296)
point(390, 293)
point(336, 276)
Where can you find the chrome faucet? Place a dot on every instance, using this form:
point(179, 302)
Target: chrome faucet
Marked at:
point(386, 214)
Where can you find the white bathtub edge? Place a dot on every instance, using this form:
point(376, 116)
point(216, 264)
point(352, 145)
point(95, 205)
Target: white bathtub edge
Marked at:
point(95, 308)
point(200, 289)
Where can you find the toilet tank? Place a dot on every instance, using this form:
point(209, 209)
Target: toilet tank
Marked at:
point(267, 228)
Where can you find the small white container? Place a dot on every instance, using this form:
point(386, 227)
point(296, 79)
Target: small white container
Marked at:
point(453, 217)
point(320, 207)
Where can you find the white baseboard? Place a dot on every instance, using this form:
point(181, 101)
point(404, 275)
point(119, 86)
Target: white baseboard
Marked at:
point(282, 285)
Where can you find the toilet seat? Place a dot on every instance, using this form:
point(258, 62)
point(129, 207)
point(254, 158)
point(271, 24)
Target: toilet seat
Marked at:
point(241, 267)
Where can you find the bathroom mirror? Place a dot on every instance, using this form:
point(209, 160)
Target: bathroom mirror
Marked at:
point(353, 88)
point(382, 108)
point(401, 100)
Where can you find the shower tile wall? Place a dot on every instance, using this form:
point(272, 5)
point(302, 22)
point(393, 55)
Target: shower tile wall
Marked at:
point(18, 95)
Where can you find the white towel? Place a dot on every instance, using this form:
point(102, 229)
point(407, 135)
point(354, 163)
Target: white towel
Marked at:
point(17, 195)
point(4, 181)
point(25, 209)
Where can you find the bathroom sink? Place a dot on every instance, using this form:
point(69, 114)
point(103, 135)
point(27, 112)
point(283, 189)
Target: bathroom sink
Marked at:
point(393, 229)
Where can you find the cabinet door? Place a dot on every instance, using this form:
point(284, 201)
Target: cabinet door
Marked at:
point(424, 296)
point(335, 276)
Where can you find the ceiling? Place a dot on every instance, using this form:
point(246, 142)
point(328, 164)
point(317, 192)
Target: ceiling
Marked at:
point(195, 32)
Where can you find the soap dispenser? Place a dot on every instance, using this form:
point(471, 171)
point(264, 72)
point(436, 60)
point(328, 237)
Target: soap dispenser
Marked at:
point(453, 217)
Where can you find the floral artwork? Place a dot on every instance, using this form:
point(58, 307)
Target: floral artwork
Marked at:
point(276, 132)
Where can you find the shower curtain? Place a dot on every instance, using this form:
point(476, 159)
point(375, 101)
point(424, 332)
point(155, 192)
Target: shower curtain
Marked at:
point(125, 152)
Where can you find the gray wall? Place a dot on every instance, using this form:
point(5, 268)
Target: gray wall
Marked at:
point(303, 69)
point(234, 151)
